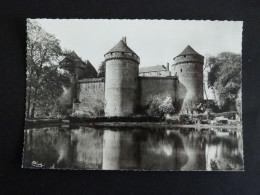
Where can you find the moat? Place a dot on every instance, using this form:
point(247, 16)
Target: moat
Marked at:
point(82, 147)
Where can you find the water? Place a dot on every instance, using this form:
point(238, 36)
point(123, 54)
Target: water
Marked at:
point(81, 147)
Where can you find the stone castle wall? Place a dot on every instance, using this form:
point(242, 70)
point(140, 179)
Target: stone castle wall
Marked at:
point(91, 94)
point(150, 87)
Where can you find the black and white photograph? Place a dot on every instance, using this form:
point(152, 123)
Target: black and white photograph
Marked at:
point(117, 94)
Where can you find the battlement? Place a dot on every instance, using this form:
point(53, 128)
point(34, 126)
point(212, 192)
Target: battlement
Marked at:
point(122, 55)
point(92, 80)
point(188, 59)
point(160, 78)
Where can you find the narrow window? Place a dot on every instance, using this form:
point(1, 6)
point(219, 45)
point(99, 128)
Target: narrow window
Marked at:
point(181, 69)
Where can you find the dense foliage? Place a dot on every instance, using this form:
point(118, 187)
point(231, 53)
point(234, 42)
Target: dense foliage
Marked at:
point(239, 103)
point(224, 78)
point(102, 69)
point(159, 106)
point(44, 79)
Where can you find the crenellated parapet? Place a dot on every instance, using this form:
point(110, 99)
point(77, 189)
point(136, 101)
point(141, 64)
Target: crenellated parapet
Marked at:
point(122, 56)
point(92, 80)
point(159, 78)
point(188, 59)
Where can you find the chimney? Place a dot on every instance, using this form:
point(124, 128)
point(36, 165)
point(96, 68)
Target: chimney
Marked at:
point(124, 39)
point(167, 66)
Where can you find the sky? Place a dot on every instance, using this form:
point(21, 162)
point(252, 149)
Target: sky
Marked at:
point(154, 41)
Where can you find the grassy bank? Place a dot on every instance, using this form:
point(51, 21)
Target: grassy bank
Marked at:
point(85, 120)
point(164, 124)
point(41, 122)
point(114, 119)
point(137, 124)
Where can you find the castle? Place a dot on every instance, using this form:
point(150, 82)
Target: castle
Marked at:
point(126, 88)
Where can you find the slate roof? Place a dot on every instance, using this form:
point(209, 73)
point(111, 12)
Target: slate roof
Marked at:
point(156, 68)
point(73, 60)
point(89, 70)
point(121, 47)
point(69, 58)
point(88, 64)
point(75, 56)
point(188, 51)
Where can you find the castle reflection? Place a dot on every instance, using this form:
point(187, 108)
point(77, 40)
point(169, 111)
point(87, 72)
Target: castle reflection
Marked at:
point(81, 147)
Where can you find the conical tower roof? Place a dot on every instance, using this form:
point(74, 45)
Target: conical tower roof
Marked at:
point(188, 51)
point(121, 46)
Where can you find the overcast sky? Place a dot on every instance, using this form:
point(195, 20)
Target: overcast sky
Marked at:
point(155, 41)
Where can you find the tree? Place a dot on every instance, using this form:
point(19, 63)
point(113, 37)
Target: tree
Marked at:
point(44, 79)
point(102, 69)
point(224, 78)
point(239, 103)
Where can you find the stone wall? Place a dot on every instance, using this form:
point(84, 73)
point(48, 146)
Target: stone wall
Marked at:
point(149, 87)
point(91, 95)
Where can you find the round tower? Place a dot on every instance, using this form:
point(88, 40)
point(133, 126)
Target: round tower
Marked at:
point(188, 66)
point(121, 80)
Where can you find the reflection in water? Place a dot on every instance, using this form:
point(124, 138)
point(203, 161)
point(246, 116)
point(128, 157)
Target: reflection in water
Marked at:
point(79, 147)
point(111, 149)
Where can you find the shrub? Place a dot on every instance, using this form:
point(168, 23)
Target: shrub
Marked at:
point(80, 114)
point(160, 106)
point(98, 108)
point(239, 103)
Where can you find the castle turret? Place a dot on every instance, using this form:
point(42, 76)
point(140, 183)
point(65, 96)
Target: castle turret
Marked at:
point(121, 80)
point(188, 66)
